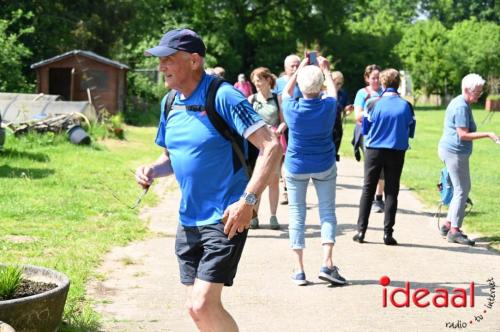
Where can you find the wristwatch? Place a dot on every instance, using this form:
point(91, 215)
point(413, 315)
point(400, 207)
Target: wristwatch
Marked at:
point(250, 198)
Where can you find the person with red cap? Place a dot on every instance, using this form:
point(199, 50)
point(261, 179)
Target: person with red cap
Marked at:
point(218, 199)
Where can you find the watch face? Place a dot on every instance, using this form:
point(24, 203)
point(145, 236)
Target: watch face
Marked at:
point(251, 199)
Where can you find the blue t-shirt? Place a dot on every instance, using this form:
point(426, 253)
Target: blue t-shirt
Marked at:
point(390, 124)
point(362, 97)
point(458, 115)
point(201, 158)
point(280, 85)
point(310, 124)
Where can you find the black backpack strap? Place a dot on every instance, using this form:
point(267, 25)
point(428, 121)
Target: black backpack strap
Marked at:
point(220, 124)
point(168, 103)
point(275, 98)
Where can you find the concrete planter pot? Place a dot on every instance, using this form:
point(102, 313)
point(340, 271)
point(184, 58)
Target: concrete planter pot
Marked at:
point(41, 312)
point(492, 105)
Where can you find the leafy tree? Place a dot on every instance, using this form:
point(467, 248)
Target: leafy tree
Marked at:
point(474, 47)
point(368, 35)
point(450, 12)
point(12, 53)
point(424, 53)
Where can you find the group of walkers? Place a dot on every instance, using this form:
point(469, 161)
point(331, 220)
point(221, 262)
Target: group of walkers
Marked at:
point(220, 202)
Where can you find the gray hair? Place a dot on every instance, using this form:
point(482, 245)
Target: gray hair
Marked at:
point(310, 79)
point(472, 81)
point(291, 58)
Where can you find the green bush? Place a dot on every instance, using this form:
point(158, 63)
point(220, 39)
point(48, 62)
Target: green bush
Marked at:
point(493, 97)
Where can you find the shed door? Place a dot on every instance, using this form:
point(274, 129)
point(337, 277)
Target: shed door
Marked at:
point(60, 82)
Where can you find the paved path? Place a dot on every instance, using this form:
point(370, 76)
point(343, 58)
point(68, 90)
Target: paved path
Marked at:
point(142, 292)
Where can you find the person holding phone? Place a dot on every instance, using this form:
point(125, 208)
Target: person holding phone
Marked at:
point(311, 155)
point(455, 148)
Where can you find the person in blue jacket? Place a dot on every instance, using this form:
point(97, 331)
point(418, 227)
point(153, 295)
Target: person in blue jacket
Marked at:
point(388, 123)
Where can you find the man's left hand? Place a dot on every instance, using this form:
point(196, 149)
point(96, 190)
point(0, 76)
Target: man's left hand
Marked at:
point(237, 218)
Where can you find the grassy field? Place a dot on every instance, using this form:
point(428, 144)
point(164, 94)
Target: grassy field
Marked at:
point(57, 210)
point(422, 167)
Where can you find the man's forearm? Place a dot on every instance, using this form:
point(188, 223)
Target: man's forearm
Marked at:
point(331, 89)
point(267, 163)
point(290, 85)
point(162, 166)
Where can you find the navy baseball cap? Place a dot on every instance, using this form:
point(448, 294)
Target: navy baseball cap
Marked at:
point(178, 40)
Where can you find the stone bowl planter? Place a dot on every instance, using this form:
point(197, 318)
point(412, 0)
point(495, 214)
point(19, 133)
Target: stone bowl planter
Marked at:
point(41, 312)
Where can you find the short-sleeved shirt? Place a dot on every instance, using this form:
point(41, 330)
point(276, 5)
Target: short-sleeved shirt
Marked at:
point(201, 158)
point(267, 109)
point(280, 85)
point(310, 124)
point(389, 124)
point(362, 97)
point(458, 115)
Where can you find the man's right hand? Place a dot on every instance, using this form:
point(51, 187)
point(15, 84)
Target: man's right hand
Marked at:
point(144, 176)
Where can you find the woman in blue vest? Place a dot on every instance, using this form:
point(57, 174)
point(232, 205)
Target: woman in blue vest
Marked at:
point(311, 155)
point(388, 124)
point(455, 148)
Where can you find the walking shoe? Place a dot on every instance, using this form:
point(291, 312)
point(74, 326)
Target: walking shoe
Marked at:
point(273, 221)
point(284, 198)
point(460, 238)
point(378, 206)
point(299, 278)
point(331, 275)
point(359, 237)
point(389, 240)
point(254, 223)
point(444, 229)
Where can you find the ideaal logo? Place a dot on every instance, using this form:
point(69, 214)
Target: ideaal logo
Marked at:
point(422, 297)
point(439, 298)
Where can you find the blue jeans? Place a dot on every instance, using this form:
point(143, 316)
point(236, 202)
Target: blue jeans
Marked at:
point(458, 169)
point(325, 184)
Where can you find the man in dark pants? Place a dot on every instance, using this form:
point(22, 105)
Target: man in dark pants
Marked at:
point(217, 197)
point(388, 125)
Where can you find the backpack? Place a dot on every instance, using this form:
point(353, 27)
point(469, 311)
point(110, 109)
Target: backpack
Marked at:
point(445, 187)
point(275, 98)
point(237, 141)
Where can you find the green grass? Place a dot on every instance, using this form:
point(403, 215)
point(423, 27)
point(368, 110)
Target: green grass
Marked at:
point(10, 279)
point(57, 211)
point(422, 167)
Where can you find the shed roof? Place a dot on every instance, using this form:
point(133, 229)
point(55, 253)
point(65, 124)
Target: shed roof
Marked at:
point(87, 54)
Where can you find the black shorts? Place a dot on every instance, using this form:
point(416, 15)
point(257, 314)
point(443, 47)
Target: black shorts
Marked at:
point(205, 253)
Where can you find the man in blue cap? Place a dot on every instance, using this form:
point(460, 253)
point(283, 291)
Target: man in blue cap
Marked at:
point(217, 197)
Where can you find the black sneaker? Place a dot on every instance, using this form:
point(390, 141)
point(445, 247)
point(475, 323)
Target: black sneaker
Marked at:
point(359, 237)
point(378, 206)
point(460, 238)
point(444, 229)
point(389, 240)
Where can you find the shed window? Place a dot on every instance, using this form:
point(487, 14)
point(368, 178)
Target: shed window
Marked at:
point(94, 79)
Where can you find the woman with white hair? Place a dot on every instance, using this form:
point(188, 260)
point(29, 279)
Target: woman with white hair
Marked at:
point(311, 155)
point(455, 148)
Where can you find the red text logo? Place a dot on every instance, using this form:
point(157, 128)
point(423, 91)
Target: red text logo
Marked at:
point(423, 297)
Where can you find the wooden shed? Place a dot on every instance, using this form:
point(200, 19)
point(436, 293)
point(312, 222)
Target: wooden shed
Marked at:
point(80, 75)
